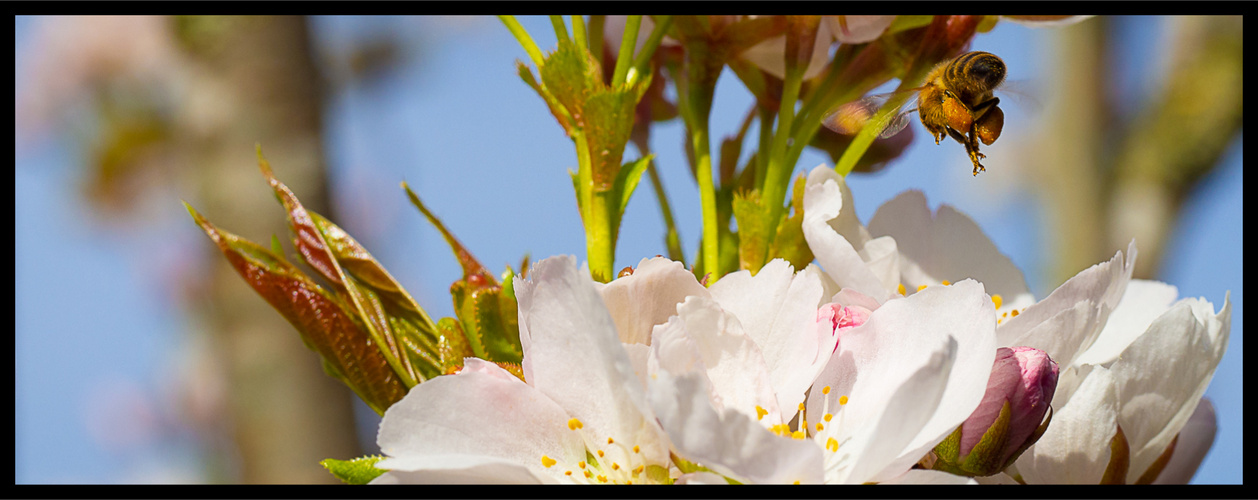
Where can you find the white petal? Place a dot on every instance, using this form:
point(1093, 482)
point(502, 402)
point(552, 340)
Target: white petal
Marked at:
point(1076, 447)
point(1164, 373)
point(926, 476)
point(733, 364)
point(648, 297)
point(574, 356)
point(1143, 302)
point(1088, 297)
point(1195, 440)
point(701, 478)
point(457, 469)
point(777, 310)
point(875, 360)
point(729, 443)
point(478, 414)
point(857, 29)
point(948, 246)
point(835, 235)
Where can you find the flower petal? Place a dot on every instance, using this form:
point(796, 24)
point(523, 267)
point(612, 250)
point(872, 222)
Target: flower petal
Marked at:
point(648, 297)
point(838, 240)
point(573, 355)
point(1194, 441)
point(1164, 373)
point(458, 469)
point(777, 309)
point(732, 362)
point(927, 476)
point(875, 360)
point(728, 442)
point(1076, 447)
point(1142, 303)
point(1066, 322)
point(476, 414)
point(857, 29)
point(946, 246)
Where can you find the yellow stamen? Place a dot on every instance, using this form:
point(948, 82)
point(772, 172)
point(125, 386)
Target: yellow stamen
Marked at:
point(615, 466)
point(798, 435)
point(547, 461)
point(636, 449)
point(828, 417)
point(832, 445)
point(609, 440)
point(900, 289)
point(796, 481)
point(574, 424)
point(825, 390)
point(1014, 313)
point(801, 407)
point(820, 427)
point(761, 412)
point(945, 282)
point(567, 473)
point(600, 453)
point(842, 400)
point(602, 478)
point(997, 300)
point(921, 287)
point(589, 474)
point(638, 470)
point(581, 464)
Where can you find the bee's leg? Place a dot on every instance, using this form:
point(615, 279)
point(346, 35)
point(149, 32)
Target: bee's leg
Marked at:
point(971, 147)
point(958, 137)
point(982, 108)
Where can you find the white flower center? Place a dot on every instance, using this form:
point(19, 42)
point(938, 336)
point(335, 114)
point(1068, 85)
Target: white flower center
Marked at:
point(599, 466)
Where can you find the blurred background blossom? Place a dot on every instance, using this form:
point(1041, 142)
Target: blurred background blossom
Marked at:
point(142, 358)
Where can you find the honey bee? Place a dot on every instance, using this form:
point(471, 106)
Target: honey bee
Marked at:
point(956, 101)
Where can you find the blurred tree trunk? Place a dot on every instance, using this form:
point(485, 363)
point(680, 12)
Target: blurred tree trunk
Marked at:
point(1106, 182)
point(254, 81)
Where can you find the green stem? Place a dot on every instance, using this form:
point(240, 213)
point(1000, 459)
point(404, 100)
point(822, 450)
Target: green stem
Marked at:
point(596, 37)
point(578, 32)
point(523, 37)
point(707, 200)
point(810, 113)
point(778, 174)
point(643, 59)
point(625, 57)
point(561, 30)
point(869, 132)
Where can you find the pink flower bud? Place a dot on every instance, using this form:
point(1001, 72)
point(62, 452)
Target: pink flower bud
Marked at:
point(1023, 378)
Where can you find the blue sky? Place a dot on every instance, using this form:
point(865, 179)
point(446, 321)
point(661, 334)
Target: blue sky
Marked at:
point(483, 152)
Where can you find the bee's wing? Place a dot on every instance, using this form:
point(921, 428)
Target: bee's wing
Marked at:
point(849, 118)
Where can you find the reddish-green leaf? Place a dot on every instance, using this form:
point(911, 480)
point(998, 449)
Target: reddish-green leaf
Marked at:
point(327, 324)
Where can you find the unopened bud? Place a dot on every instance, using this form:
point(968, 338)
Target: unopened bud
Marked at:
point(1008, 420)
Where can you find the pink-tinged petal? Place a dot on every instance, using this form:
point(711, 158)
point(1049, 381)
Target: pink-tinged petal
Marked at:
point(648, 297)
point(1076, 447)
point(946, 246)
point(876, 359)
point(777, 309)
point(836, 237)
point(1066, 322)
point(769, 55)
point(728, 442)
point(1142, 303)
point(1194, 441)
point(857, 29)
point(1164, 373)
point(574, 356)
point(485, 412)
point(458, 469)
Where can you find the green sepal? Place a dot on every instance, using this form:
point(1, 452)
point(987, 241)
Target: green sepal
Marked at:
point(1119, 459)
point(356, 471)
point(789, 244)
point(985, 458)
point(753, 233)
point(453, 346)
